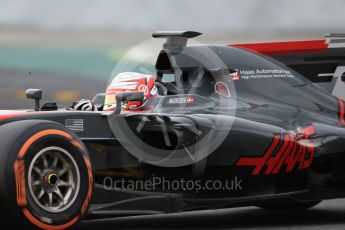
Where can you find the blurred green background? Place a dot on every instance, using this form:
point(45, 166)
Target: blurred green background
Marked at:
point(69, 48)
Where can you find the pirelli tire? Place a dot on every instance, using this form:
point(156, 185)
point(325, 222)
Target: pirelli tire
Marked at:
point(46, 179)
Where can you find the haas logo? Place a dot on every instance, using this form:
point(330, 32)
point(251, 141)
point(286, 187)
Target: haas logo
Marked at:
point(144, 89)
point(291, 150)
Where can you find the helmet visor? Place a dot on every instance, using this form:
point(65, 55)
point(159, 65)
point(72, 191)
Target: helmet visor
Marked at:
point(110, 99)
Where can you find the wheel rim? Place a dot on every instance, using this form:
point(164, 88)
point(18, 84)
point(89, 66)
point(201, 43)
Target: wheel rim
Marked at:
point(54, 179)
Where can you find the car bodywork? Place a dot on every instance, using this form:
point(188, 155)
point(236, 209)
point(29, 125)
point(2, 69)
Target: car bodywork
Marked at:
point(280, 135)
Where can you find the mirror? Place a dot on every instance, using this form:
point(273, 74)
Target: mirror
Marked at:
point(126, 97)
point(35, 94)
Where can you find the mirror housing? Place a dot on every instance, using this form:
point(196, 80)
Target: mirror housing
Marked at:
point(127, 97)
point(35, 94)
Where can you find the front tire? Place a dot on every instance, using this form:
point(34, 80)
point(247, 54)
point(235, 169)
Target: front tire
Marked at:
point(46, 177)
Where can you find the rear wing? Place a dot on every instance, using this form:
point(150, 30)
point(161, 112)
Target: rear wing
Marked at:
point(321, 61)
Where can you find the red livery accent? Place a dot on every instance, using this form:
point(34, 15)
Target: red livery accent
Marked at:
point(279, 48)
point(259, 162)
point(235, 76)
point(273, 160)
point(341, 111)
point(289, 150)
point(308, 131)
point(8, 114)
point(11, 114)
point(190, 100)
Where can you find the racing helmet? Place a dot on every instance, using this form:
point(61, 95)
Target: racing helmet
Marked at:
point(84, 105)
point(130, 82)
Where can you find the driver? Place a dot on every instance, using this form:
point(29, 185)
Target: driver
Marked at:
point(130, 82)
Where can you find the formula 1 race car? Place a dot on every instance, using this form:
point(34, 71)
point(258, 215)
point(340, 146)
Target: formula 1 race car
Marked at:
point(231, 125)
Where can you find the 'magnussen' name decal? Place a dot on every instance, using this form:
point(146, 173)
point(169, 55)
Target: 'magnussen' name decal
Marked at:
point(181, 100)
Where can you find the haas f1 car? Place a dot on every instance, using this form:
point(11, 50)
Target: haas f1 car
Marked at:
point(228, 125)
